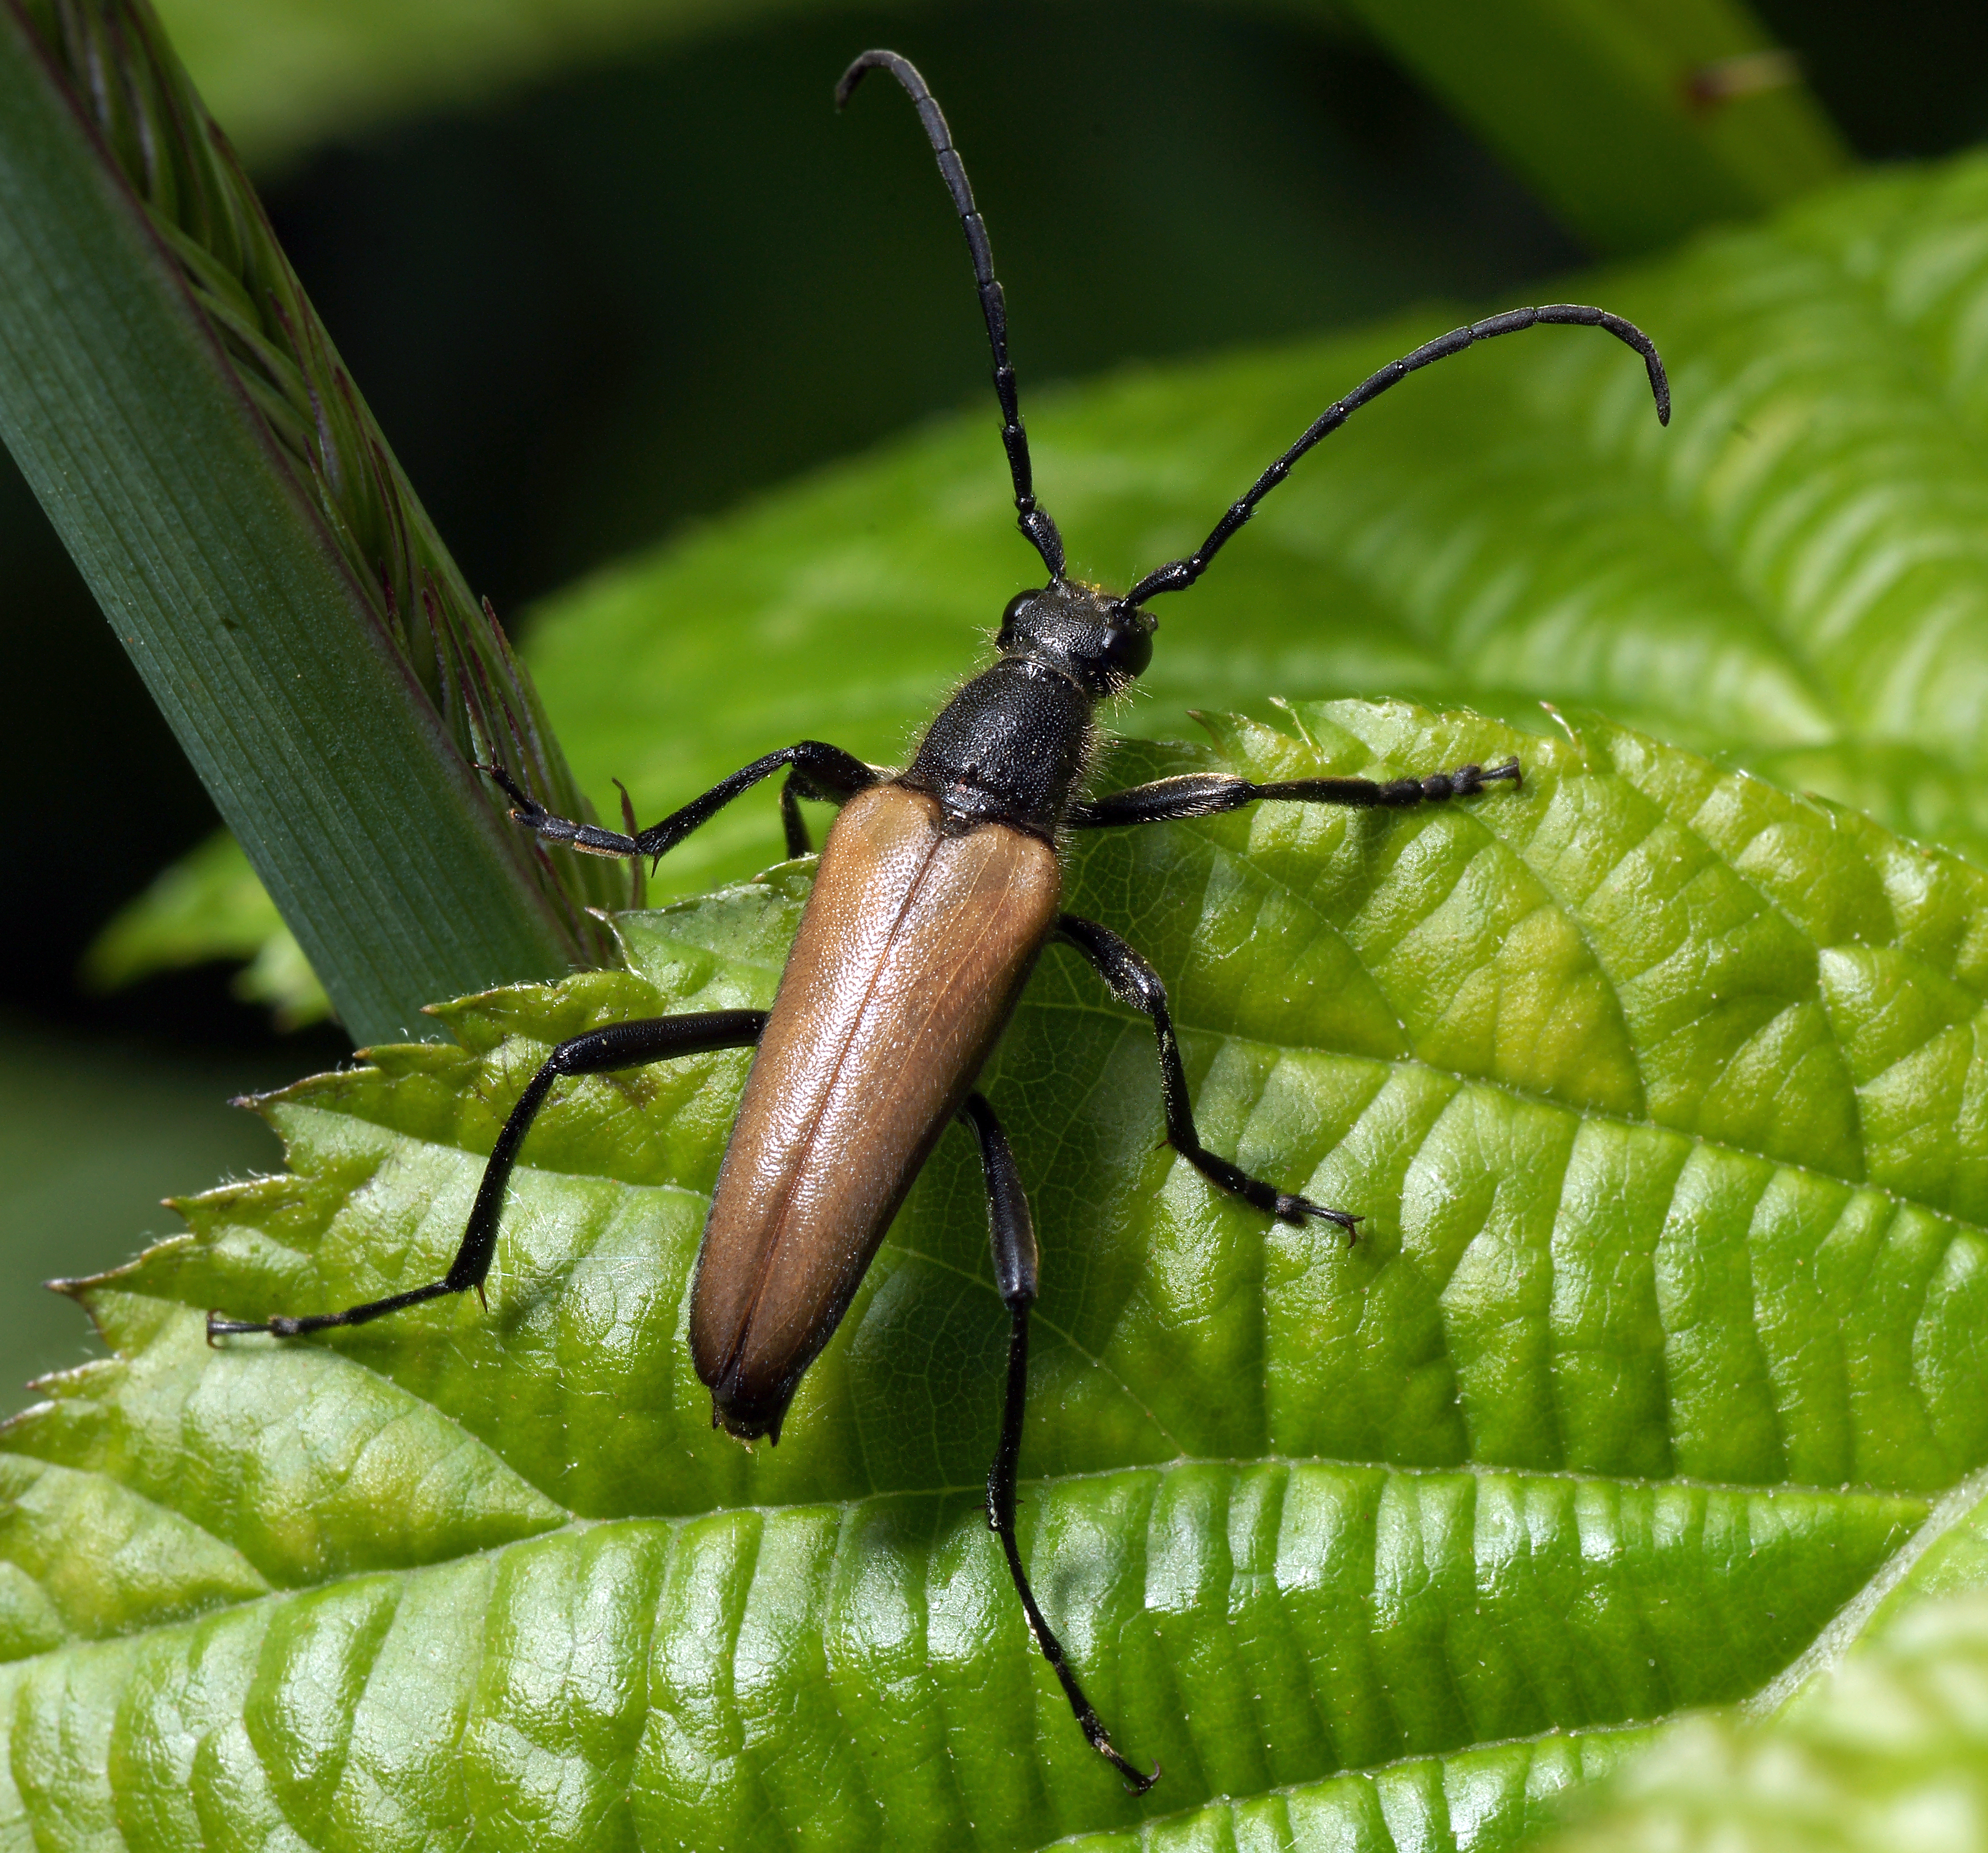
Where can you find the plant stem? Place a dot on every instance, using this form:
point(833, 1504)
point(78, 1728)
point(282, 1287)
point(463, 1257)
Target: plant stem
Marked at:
point(173, 400)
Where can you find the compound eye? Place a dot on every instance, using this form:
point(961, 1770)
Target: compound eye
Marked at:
point(1129, 651)
point(1017, 605)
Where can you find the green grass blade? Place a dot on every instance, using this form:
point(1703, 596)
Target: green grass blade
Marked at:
point(168, 393)
point(1637, 124)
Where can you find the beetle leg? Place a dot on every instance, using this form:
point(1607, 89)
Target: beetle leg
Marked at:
point(821, 770)
point(620, 1046)
point(1204, 794)
point(1133, 981)
point(792, 823)
point(1013, 1237)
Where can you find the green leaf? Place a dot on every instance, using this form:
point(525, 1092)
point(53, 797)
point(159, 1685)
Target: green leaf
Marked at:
point(1873, 1739)
point(1890, 1751)
point(210, 906)
point(177, 407)
point(1657, 1088)
point(1637, 124)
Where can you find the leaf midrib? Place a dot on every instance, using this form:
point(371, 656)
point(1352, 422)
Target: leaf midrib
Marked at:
point(1951, 1503)
point(1837, 1633)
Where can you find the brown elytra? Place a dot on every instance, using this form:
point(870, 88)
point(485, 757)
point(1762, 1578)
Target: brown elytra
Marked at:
point(912, 953)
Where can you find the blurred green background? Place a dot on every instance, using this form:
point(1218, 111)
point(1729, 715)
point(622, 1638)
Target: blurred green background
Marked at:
point(609, 284)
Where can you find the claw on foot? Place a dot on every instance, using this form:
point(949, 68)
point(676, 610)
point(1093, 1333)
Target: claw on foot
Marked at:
point(1136, 1783)
point(1298, 1211)
point(281, 1326)
point(1469, 780)
point(521, 801)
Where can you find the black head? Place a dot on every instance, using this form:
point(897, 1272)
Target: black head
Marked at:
point(1098, 641)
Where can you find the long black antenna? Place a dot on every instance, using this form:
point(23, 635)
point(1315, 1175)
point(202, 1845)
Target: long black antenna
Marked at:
point(1177, 576)
point(1034, 521)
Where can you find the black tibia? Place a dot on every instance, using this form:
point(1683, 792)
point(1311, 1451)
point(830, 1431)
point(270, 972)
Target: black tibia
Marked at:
point(598, 1052)
point(1177, 576)
point(793, 824)
point(1204, 794)
point(1009, 1227)
point(1034, 521)
point(820, 771)
point(1013, 1237)
point(1133, 982)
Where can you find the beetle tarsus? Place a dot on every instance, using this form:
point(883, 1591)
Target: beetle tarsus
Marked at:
point(520, 799)
point(823, 770)
point(1136, 1783)
point(1298, 1210)
point(1192, 794)
point(589, 839)
point(285, 1325)
point(1468, 780)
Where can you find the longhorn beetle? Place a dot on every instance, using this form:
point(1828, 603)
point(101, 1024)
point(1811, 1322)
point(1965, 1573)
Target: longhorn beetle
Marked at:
point(939, 887)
